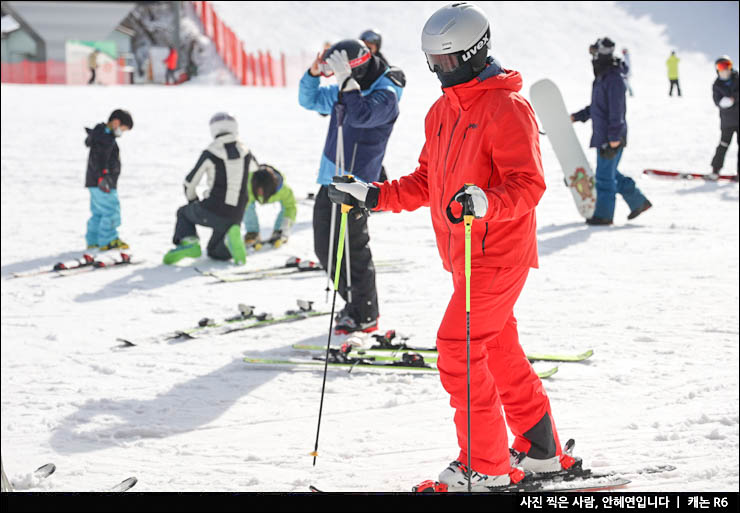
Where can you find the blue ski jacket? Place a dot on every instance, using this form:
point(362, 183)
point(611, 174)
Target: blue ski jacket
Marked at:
point(607, 110)
point(368, 122)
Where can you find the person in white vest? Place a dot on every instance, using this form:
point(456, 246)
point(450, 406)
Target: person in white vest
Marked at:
point(226, 163)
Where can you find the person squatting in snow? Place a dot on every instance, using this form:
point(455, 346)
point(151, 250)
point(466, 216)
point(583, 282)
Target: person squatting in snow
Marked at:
point(101, 179)
point(366, 100)
point(267, 185)
point(607, 114)
point(226, 163)
point(482, 147)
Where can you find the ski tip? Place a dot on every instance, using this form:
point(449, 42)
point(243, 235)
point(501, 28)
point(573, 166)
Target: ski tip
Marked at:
point(45, 470)
point(124, 485)
point(314, 489)
point(125, 343)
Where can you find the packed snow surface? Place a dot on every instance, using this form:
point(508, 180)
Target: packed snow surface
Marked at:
point(655, 298)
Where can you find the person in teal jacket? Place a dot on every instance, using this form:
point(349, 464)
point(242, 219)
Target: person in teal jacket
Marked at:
point(267, 185)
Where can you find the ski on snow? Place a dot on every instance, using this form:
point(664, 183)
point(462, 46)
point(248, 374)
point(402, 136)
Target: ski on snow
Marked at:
point(100, 263)
point(45, 471)
point(86, 262)
point(384, 346)
point(687, 176)
point(246, 319)
point(411, 362)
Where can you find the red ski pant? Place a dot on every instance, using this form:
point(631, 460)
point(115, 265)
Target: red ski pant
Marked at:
point(500, 374)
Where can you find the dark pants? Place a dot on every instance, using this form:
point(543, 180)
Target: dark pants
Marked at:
point(674, 83)
point(383, 175)
point(719, 156)
point(92, 76)
point(364, 305)
point(171, 75)
point(194, 214)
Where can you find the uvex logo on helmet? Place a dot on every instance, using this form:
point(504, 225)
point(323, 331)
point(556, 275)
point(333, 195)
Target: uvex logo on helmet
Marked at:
point(475, 48)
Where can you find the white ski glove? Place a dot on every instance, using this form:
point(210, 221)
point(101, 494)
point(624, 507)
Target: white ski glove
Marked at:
point(339, 64)
point(726, 102)
point(357, 194)
point(477, 200)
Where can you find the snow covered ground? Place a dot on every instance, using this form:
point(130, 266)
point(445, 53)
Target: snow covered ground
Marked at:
point(656, 298)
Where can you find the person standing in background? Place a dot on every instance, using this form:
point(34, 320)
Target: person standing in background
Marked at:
point(607, 112)
point(672, 64)
point(101, 179)
point(92, 64)
point(171, 63)
point(725, 95)
point(627, 74)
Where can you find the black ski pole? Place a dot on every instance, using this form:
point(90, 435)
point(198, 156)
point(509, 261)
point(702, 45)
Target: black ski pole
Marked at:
point(337, 271)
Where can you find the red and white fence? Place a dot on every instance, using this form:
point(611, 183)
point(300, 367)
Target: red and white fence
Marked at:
point(251, 69)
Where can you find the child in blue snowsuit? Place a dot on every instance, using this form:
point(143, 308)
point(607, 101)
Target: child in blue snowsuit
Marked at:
point(103, 168)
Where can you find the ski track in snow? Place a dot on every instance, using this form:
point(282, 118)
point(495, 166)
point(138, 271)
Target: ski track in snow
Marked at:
point(656, 298)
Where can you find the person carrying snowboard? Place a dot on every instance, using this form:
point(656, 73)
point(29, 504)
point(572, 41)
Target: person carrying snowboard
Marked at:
point(227, 163)
point(725, 95)
point(481, 148)
point(101, 179)
point(609, 137)
point(267, 185)
point(367, 101)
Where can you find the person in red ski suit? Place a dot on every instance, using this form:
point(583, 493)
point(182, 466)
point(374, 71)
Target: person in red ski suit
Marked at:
point(171, 63)
point(482, 132)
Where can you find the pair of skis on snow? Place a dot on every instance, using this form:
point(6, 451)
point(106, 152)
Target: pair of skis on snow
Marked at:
point(246, 319)
point(293, 265)
point(84, 263)
point(390, 351)
point(45, 471)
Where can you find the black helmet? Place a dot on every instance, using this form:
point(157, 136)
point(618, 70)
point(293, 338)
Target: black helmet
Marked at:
point(266, 179)
point(372, 36)
point(603, 46)
point(358, 54)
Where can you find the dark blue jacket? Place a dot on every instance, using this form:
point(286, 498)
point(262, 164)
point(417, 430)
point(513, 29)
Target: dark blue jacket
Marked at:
point(368, 122)
point(103, 157)
point(721, 88)
point(608, 108)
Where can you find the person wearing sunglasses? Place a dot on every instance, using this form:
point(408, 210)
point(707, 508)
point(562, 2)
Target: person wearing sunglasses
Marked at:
point(725, 93)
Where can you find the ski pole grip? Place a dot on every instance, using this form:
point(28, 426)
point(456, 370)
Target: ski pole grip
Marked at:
point(344, 179)
point(464, 200)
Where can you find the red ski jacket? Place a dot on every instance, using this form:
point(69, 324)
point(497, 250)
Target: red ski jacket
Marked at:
point(481, 132)
point(171, 60)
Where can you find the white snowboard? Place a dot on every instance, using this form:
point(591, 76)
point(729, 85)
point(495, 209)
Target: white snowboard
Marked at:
point(549, 106)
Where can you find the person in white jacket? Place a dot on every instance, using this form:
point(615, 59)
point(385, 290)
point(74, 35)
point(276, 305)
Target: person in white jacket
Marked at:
point(628, 74)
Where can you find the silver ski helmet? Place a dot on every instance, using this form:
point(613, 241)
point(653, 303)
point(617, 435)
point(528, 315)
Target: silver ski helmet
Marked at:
point(223, 123)
point(455, 40)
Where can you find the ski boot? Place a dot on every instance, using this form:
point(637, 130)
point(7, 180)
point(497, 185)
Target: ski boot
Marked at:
point(346, 325)
point(114, 244)
point(235, 245)
point(188, 247)
point(564, 464)
point(455, 477)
